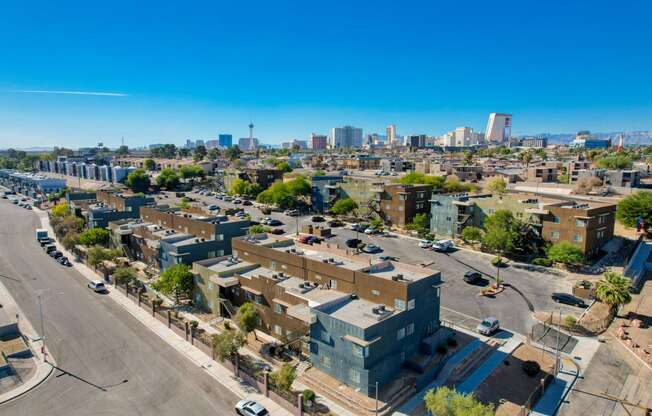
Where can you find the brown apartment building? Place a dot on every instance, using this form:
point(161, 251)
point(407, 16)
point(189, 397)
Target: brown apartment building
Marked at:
point(587, 225)
point(398, 203)
point(541, 174)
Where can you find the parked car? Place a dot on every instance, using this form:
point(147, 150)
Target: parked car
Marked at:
point(488, 326)
point(335, 223)
point(237, 201)
point(352, 242)
point(304, 239)
point(274, 223)
point(357, 227)
point(213, 207)
point(63, 260)
point(250, 408)
point(97, 286)
point(443, 245)
point(291, 212)
point(568, 299)
point(28, 207)
point(425, 244)
point(370, 230)
point(49, 248)
point(247, 203)
point(55, 254)
point(372, 248)
point(472, 277)
point(314, 239)
point(46, 241)
point(317, 218)
point(278, 231)
point(388, 258)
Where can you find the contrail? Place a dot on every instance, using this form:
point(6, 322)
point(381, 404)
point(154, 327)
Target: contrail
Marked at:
point(104, 94)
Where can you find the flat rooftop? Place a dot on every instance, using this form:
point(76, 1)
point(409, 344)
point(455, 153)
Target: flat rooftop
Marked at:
point(393, 270)
point(315, 295)
point(358, 312)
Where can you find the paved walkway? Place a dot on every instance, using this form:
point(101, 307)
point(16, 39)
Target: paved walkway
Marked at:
point(43, 368)
point(196, 356)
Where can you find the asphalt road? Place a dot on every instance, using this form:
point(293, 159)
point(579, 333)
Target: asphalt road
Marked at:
point(529, 290)
point(110, 364)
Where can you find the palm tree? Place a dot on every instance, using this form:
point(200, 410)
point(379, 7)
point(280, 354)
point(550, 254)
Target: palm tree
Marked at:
point(613, 289)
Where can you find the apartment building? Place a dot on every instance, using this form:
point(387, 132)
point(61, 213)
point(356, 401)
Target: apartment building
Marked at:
point(361, 162)
point(264, 177)
point(541, 174)
point(112, 206)
point(399, 203)
point(359, 322)
point(325, 191)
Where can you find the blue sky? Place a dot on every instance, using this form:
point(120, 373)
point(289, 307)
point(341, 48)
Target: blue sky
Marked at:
point(194, 69)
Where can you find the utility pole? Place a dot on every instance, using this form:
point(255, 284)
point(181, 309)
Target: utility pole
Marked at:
point(376, 398)
point(40, 311)
point(557, 348)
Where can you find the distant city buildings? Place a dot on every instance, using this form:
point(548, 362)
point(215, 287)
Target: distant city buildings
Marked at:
point(301, 144)
point(585, 140)
point(391, 135)
point(347, 137)
point(535, 142)
point(318, 142)
point(248, 143)
point(225, 140)
point(499, 128)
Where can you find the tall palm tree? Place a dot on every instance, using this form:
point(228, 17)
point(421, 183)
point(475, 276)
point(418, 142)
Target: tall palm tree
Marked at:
point(613, 289)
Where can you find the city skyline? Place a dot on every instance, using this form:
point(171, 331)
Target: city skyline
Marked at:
point(189, 74)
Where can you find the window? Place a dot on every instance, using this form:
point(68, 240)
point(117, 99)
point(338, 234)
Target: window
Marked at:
point(399, 304)
point(220, 237)
point(210, 285)
point(375, 292)
point(421, 195)
point(580, 223)
point(409, 330)
point(402, 197)
point(600, 235)
point(400, 334)
point(325, 337)
point(272, 265)
point(577, 238)
point(554, 235)
point(278, 329)
point(325, 361)
point(410, 305)
point(358, 351)
point(555, 219)
point(278, 309)
point(211, 254)
point(354, 375)
point(388, 206)
point(333, 284)
point(258, 299)
point(400, 207)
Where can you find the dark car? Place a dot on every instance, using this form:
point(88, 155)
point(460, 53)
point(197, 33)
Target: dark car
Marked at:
point(353, 242)
point(278, 231)
point(55, 254)
point(472, 277)
point(314, 239)
point(317, 218)
point(274, 223)
point(568, 299)
point(247, 202)
point(335, 223)
point(45, 241)
point(64, 261)
point(388, 258)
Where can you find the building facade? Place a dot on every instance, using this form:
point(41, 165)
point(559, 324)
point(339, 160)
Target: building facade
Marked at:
point(346, 137)
point(499, 128)
point(399, 203)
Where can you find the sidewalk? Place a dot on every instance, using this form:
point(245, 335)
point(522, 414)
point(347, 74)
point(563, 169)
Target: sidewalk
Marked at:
point(196, 356)
point(43, 368)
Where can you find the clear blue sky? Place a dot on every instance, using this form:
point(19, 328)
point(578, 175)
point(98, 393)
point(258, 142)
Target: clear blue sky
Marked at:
point(199, 68)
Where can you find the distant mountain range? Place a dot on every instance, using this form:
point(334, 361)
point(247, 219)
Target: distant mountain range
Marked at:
point(631, 137)
point(30, 149)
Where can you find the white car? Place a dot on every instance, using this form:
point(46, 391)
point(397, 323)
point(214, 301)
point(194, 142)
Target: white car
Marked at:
point(250, 408)
point(488, 326)
point(97, 286)
point(370, 231)
point(213, 207)
point(443, 245)
point(425, 244)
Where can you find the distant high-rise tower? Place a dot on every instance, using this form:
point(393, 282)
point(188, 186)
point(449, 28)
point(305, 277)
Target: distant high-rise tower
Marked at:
point(251, 131)
point(391, 134)
point(319, 142)
point(225, 140)
point(347, 136)
point(499, 128)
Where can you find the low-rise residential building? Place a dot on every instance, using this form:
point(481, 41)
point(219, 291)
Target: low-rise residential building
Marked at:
point(264, 177)
point(26, 182)
point(399, 203)
point(361, 162)
point(541, 174)
point(623, 178)
point(115, 206)
point(362, 323)
point(325, 191)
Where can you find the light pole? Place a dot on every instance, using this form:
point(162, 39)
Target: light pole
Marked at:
point(40, 311)
point(376, 398)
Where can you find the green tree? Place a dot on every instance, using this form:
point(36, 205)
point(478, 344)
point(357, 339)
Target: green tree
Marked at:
point(472, 234)
point(376, 224)
point(259, 229)
point(226, 344)
point(94, 236)
point(149, 164)
point(284, 377)
point(453, 184)
point(123, 275)
point(613, 289)
point(299, 186)
point(247, 318)
point(191, 172)
point(563, 178)
point(213, 154)
point(497, 185)
point(70, 240)
point(200, 153)
point(97, 255)
point(445, 401)
point(526, 156)
point(344, 206)
point(501, 232)
point(420, 223)
point(138, 180)
point(566, 253)
point(60, 210)
point(615, 161)
point(168, 178)
point(283, 166)
point(634, 206)
point(175, 280)
point(232, 153)
point(239, 187)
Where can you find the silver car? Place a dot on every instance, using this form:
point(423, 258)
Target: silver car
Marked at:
point(488, 326)
point(97, 286)
point(250, 408)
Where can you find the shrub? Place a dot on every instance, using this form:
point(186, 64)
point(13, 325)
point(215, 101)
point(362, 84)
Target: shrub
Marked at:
point(194, 324)
point(531, 368)
point(442, 349)
point(565, 252)
point(570, 321)
point(227, 325)
point(308, 396)
point(542, 261)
